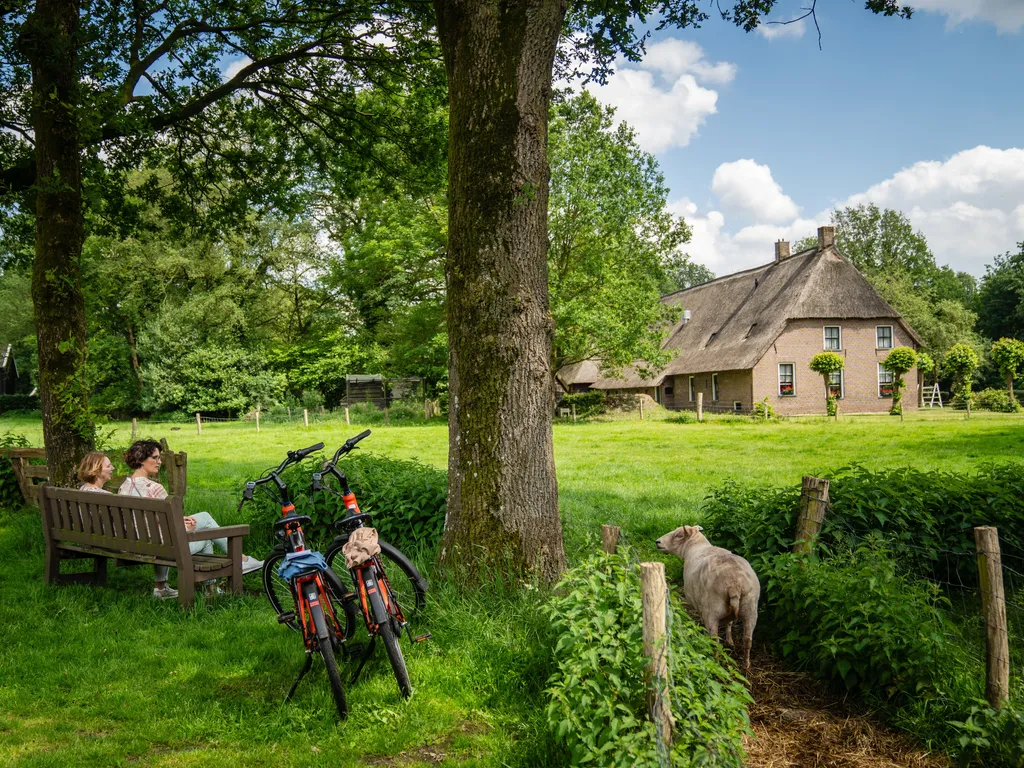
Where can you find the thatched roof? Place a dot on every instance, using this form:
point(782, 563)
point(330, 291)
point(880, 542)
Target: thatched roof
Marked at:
point(586, 372)
point(736, 318)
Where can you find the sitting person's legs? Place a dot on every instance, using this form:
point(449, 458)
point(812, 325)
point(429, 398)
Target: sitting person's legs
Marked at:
point(205, 522)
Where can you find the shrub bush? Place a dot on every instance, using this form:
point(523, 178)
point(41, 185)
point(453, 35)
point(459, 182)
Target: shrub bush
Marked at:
point(18, 403)
point(406, 498)
point(598, 706)
point(591, 403)
point(995, 400)
point(10, 492)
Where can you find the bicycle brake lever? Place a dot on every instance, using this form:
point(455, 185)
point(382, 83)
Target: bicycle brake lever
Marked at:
point(317, 485)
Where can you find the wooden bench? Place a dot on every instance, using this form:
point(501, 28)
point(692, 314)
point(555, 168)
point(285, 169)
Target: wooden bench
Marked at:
point(133, 531)
point(174, 469)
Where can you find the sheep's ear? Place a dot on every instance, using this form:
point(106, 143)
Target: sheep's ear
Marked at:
point(698, 527)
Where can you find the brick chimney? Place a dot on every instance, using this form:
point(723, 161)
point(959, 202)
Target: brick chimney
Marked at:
point(826, 237)
point(781, 250)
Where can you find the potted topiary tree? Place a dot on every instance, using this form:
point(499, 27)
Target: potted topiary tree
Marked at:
point(899, 362)
point(961, 362)
point(1008, 355)
point(825, 364)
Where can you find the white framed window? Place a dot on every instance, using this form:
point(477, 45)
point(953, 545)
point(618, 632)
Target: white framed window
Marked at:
point(883, 337)
point(737, 406)
point(693, 390)
point(714, 387)
point(669, 389)
point(833, 338)
point(787, 379)
point(835, 384)
point(885, 380)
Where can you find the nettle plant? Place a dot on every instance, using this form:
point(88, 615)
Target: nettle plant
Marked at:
point(825, 364)
point(900, 361)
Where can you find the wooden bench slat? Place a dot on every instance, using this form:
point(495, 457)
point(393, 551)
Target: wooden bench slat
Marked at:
point(115, 546)
point(36, 470)
point(23, 453)
point(226, 532)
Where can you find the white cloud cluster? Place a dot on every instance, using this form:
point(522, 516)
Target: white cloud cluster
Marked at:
point(1006, 15)
point(778, 31)
point(969, 207)
point(234, 68)
point(664, 97)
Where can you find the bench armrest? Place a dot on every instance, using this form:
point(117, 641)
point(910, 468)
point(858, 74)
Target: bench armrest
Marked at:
point(227, 532)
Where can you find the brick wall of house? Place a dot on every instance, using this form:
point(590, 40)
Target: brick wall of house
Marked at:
point(803, 339)
point(733, 386)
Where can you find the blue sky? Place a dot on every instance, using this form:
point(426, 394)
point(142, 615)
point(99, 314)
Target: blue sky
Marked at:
point(760, 136)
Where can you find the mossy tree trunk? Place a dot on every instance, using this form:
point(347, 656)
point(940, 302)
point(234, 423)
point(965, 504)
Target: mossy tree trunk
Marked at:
point(503, 496)
point(50, 40)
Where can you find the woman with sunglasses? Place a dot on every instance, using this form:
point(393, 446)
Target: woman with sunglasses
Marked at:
point(143, 458)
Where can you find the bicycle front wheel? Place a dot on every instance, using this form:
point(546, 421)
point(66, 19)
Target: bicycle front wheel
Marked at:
point(279, 591)
point(387, 634)
point(331, 663)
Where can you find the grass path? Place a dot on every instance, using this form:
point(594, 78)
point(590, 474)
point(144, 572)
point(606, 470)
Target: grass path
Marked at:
point(109, 677)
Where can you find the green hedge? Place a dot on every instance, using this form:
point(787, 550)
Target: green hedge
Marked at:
point(597, 706)
point(10, 492)
point(926, 517)
point(406, 498)
point(591, 403)
point(18, 403)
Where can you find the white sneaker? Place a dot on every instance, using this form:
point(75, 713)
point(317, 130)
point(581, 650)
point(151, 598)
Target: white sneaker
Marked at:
point(250, 564)
point(164, 593)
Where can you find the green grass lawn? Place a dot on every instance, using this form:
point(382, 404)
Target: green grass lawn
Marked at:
point(107, 676)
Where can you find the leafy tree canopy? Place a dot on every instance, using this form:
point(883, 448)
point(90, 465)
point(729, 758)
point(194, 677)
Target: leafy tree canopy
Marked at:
point(1001, 297)
point(826, 363)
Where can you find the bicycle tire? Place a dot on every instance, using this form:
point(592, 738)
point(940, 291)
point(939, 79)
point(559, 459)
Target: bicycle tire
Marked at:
point(279, 593)
point(410, 592)
point(397, 659)
point(337, 687)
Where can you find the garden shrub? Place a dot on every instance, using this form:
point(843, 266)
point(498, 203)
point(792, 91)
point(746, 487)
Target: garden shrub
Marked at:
point(763, 410)
point(992, 737)
point(598, 706)
point(995, 400)
point(18, 403)
point(683, 417)
point(406, 498)
point(591, 403)
point(10, 492)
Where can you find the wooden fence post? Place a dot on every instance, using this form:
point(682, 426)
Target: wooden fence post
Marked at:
point(641, 407)
point(199, 423)
point(346, 416)
point(700, 406)
point(653, 593)
point(574, 413)
point(387, 419)
point(609, 538)
point(257, 419)
point(426, 410)
point(305, 416)
point(813, 501)
point(289, 413)
point(993, 606)
point(135, 423)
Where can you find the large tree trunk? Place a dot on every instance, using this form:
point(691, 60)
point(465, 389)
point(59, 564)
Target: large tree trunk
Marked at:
point(502, 493)
point(50, 40)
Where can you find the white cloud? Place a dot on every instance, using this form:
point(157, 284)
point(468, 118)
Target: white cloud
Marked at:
point(234, 68)
point(1006, 15)
point(746, 188)
point(664, 97)
point(968, 207)
point(793, 30)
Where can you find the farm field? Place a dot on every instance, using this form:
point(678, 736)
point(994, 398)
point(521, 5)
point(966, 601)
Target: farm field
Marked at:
point(108, 676)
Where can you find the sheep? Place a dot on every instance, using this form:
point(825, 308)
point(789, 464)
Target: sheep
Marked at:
point(720, 585)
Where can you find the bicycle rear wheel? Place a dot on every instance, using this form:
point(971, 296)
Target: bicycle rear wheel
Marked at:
point(408, 586)
point(337, 688)
point(397, 659)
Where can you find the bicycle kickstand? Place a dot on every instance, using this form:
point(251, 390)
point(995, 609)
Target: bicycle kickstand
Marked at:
point(302, 674)
point(366, 657)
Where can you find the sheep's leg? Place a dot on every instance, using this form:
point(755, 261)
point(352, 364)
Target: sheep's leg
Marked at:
point(711, 625)
point(749, 621)
point(728, 634)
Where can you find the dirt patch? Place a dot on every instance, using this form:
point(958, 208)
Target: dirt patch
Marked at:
point(433, 754)
point(799, 723)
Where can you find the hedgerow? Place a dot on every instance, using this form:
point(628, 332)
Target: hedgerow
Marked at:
point(597, 706)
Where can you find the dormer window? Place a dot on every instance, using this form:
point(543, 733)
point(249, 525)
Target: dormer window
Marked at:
point(711, 338)
point(751, 330)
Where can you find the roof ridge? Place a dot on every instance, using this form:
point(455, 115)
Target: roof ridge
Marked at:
point(741, 273)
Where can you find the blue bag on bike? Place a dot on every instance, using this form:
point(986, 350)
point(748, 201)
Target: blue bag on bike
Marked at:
point(295, 563)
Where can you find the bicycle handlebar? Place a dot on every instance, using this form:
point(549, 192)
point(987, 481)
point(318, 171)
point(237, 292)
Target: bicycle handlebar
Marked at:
point(301, 454)
point(348, 445)
point(273, 476)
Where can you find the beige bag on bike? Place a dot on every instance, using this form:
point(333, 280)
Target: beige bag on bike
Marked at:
point(360, 547)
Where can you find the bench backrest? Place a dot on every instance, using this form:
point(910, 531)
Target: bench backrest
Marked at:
point(29, 476)
point(117, 523)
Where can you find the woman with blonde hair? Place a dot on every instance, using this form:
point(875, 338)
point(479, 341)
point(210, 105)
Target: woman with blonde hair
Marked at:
point(95, 470)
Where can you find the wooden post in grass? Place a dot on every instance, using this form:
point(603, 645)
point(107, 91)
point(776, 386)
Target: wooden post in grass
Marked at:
point(289, 413)
point(135, 423)
point(574, 413)
point(813, 501)
point(609, 538)
point(993, 607)
point(199, 423)
point(641, 407)
point(653, 592)
point(346, 416)
point(257, 418)
point(387, 419)
point(700, 406)
point(426, 410)
point(305, 416)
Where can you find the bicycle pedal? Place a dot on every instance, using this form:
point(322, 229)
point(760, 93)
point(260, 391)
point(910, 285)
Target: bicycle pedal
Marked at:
point(284, 618)
point(421, 638)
